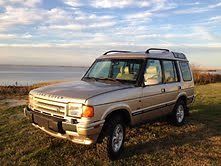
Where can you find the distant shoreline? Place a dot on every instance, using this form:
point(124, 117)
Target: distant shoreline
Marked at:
point(206, 69)
point(214, 70)
point(44, 65)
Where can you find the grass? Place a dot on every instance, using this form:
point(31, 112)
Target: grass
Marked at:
point(20, 91)
point(196, 143)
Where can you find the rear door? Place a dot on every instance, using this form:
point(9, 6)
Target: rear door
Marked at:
point(171, 82)
point(153, 94)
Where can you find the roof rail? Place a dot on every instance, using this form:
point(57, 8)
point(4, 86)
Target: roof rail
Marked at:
point(116, 52)
point(161, 49)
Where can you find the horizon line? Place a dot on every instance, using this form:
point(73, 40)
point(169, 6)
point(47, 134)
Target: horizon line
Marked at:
point(43, 65)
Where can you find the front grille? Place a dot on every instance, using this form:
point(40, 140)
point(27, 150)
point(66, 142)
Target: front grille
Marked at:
point(49, 107)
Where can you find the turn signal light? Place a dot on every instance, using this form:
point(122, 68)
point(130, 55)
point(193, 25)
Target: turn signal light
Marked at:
point(88, 111)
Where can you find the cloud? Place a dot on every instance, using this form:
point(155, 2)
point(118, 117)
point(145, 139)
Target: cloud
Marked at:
point(192, 3)
point(18, 16)
point(156, 4)
point(152, 8)
point(24, 15)
point(215, 19)
point(26, 36)
point(57, 16)
point(92, 17)
point(198, 9)
point(215, 5)
point(143, 3)
point(59, 19)
point(141, 15)
point(63, 27)
point(15, 36)
point(27, 3)
point(78, 27)
point(73, 3)
point(13, 16)
point(111, 3)
point(162, 5)
point(7, 36)
point(98, 45)
point(192, 10)
point(203, 33)
point(102, 24)
point(196, 33)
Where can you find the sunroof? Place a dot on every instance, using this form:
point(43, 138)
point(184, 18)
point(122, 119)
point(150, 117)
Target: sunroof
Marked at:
point(179, 55)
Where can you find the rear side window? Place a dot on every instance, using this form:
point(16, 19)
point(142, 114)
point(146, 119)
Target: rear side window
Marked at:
point(185, 70)
point(170, 72)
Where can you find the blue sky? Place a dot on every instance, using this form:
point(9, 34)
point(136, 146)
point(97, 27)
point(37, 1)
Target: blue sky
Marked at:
point(74, 32)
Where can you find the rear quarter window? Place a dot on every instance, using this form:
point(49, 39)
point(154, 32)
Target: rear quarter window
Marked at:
point(170, 72)
point(185, 70)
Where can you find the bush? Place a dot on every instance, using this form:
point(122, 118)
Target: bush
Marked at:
point(202, 78)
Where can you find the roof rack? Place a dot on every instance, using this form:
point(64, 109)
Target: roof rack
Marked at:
point(161, 49)
point(112, 51)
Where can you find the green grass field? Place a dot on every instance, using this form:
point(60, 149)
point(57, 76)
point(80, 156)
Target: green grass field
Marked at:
point(196, 143)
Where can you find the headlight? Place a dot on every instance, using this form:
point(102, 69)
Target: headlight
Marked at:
point(79, 110)
point(74, 109)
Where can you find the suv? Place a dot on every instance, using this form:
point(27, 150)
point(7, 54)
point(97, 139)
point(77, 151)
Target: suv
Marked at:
point(120, 89)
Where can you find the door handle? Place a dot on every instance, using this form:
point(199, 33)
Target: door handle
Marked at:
point(179, 87)
point(163, 90)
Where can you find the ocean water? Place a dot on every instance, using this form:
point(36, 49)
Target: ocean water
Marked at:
point(28, 75)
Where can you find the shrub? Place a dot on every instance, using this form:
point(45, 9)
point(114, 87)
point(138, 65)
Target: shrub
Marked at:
point(202, 77)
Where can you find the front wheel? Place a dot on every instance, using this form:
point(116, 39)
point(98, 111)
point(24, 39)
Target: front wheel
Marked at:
point(113, 144)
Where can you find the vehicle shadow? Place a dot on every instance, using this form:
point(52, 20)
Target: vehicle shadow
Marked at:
point(201, 125)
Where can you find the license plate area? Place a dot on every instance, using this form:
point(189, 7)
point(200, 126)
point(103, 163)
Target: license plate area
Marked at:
point(48, 124)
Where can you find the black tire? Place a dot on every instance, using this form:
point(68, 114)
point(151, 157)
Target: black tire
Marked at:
point(105, 148)
point(178, 119)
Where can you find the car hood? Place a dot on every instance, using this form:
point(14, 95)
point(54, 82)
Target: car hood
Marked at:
point(79, 90)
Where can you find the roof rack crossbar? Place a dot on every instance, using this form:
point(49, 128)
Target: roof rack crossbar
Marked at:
point(161, 49)
point(112, 51)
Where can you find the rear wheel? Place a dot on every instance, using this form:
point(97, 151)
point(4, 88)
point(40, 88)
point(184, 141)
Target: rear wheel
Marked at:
point(178, 115)
point(113, 142)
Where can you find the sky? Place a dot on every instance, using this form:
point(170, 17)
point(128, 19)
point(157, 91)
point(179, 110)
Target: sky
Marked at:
point(74, 32)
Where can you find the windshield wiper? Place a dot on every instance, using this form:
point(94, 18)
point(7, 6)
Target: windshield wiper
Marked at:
point(107, 79)
point(93, 78)
point(111, 79)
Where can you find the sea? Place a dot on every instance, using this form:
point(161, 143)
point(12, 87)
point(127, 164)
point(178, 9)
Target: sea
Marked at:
point(29, 75)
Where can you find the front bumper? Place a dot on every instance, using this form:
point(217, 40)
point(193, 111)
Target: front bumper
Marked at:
point(59, 127)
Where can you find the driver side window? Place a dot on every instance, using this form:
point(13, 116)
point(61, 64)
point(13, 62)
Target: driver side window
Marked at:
point(153, 72)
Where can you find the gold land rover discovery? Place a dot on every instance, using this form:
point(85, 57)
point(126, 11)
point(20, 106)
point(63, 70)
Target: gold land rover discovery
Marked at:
point(120, 89)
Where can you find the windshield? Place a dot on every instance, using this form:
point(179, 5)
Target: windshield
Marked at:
point(115, 69)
